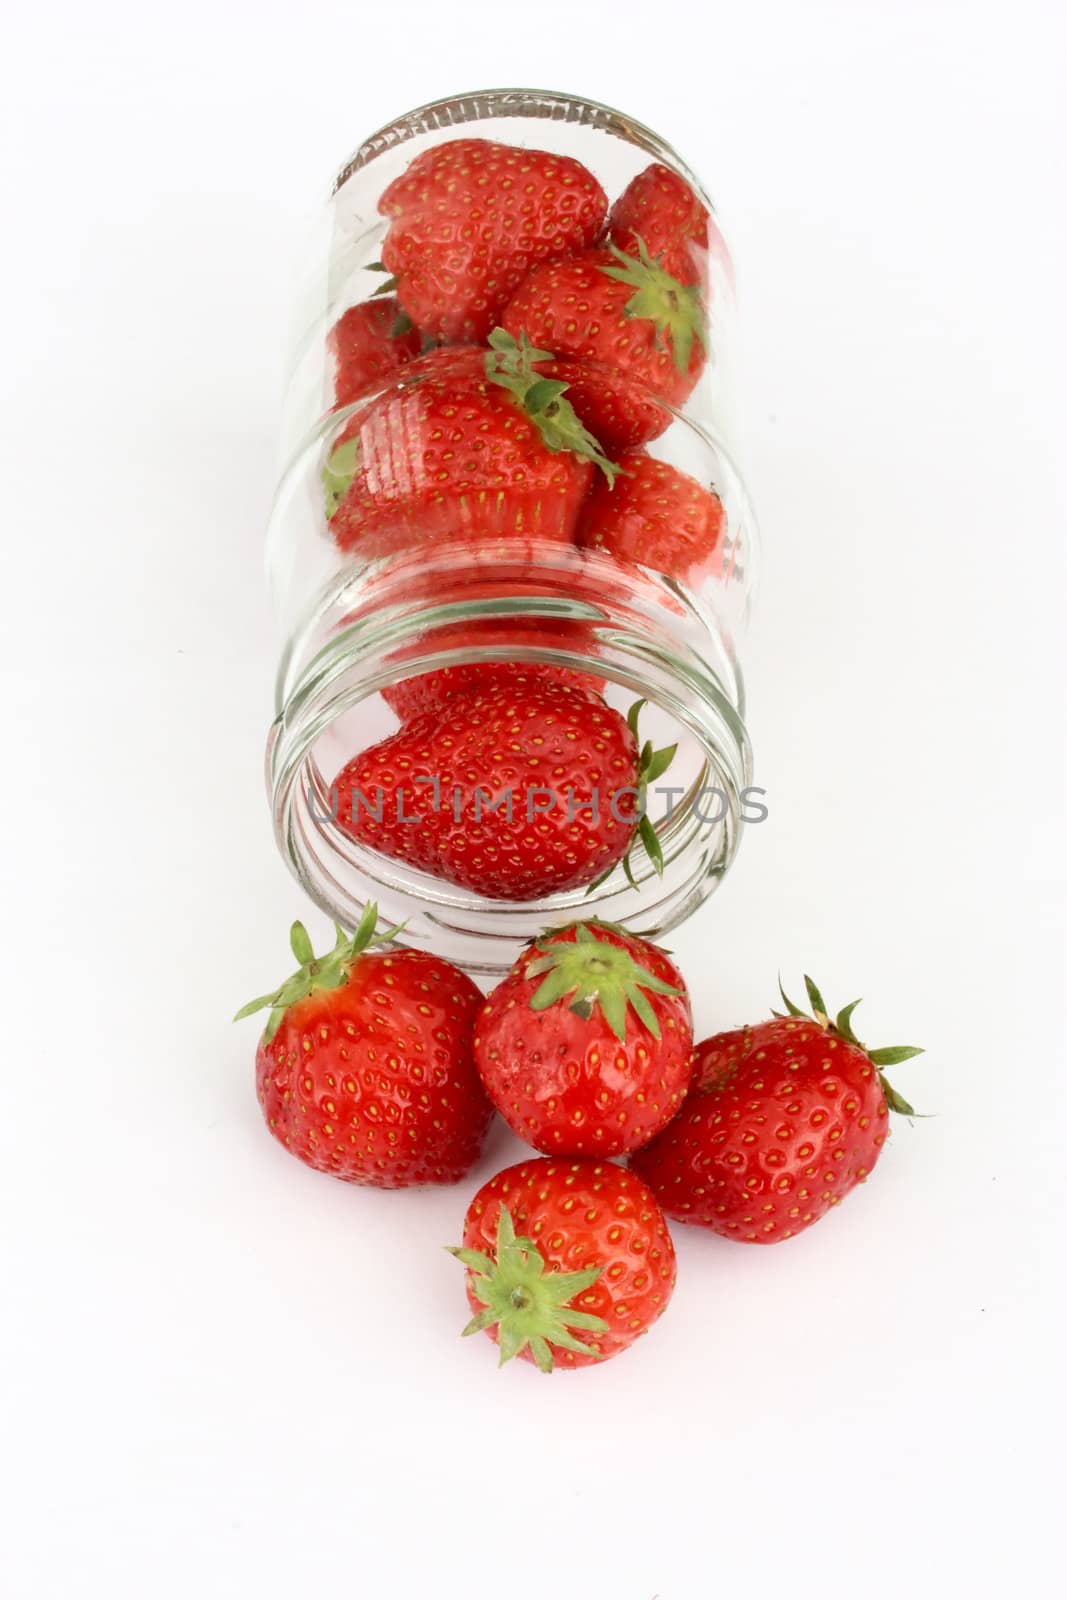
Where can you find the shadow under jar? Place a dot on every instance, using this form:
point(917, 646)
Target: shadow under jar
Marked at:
point(505, 450)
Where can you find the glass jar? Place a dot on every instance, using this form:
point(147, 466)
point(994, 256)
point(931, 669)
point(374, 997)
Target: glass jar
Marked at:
point(386, 564)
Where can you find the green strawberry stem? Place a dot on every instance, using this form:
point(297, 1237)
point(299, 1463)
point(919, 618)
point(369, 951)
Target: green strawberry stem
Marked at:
point(589, 972)
point(841, 1028)
point(511, 364)
point(317, 972)
point(528, 1305)
point(676, 309)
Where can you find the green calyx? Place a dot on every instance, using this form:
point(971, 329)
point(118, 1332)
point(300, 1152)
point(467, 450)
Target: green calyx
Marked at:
point(651, 764)
point(510, 363)
point(587, 972)
point(841, 1028)
point(528, 1305)
point(676, 309)
point(317, 972)
point(342, 464)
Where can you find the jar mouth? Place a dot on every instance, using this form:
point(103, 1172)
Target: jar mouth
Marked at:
point(380, 623)
point(550, 105)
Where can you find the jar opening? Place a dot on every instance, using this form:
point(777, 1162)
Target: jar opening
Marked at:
point(382, 624)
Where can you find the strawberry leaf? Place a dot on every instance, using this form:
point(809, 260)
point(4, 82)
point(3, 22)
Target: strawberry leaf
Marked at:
point(586, 972)
point(675, 310)
point(893, 1055)
point(330, 971)
point(510, 363)
point(527, 1303)
point(888, 1056)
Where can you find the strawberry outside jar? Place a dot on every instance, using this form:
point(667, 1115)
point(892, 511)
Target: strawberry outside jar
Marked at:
point(510, 548)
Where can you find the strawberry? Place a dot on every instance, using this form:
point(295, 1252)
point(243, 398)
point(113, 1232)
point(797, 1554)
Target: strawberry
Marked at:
point(660, 211)
point(657, 516)
point(467, 443)
point(615, 409)
point(369, 342)
point(365, 1069)
point(639, 334)
point(586, 1047)
point(433, 691)
point(593, 1257)
point(782, 1121)
point(517, 795)
point(469, 219)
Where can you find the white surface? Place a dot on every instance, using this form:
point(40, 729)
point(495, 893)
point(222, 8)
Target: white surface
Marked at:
point(226, 1376)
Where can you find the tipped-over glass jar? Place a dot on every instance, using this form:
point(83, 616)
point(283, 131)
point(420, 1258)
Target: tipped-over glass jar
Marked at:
point(510, 548)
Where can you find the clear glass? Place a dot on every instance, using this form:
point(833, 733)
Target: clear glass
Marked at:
point(360, 616)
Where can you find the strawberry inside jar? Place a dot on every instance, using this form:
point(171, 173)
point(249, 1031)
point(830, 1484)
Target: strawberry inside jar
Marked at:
point(511, 549)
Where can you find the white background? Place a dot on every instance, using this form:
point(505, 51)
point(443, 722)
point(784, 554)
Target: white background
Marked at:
point(224, 1375)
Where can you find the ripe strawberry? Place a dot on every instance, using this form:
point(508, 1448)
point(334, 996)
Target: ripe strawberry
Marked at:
point(659, 210)
point(365, 1068)
point(639, 334)
point(565, 1063)
point(657, 516)
point(593, 1254)
point(468, 221)
point(433, 691)
point(369, 342)
point(467, 443)
point(515, 795)
point(783, 1119)
point(616, 409)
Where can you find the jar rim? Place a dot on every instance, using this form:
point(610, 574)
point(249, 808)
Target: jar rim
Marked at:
point(478, 105)
point(645, 635)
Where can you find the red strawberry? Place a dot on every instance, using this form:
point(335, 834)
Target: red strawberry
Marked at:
point(433, 691)
point(615, 409)
point(430, 690)
point(783, 1119)
point(467, 443)
point(657, 516)
point(592, 1269)
point(515, 795)
point(659, 210)
point(639, 333)
point(365, 1068)
point(468, 221)
point(369, 342)
point(586, 1047)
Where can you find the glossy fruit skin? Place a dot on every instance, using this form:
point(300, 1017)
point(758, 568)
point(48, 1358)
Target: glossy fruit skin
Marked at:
point(365, 349)
point(468, 221)
point(657, 516)
point(574, 309)
point(584, 1214)
point(499, 741)
point(433, 691)
point(447, 453)
point(567, 1085)
point(660, 208)
point(782, 1121)
point(374, 1082)
point(615, 408)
